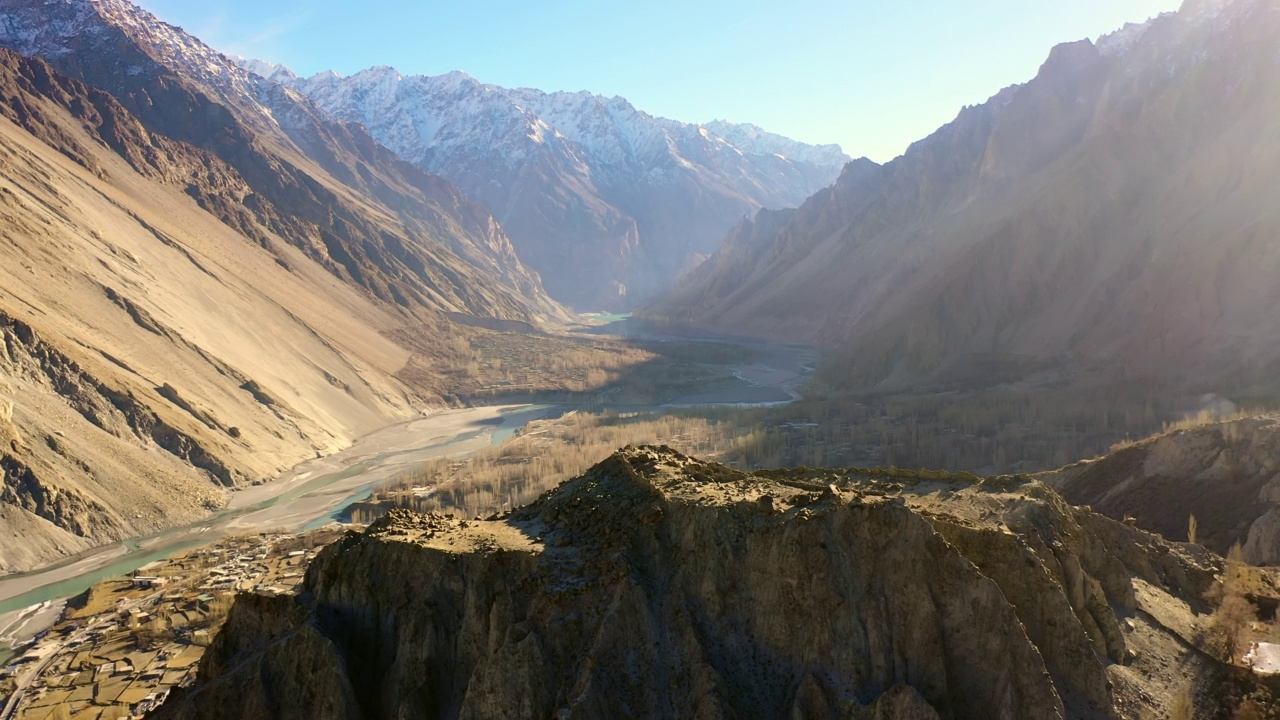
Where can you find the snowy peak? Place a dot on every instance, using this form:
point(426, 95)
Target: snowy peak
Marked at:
point(611, 129)
point(274, 72)
point(119, 31)
point(755, 140)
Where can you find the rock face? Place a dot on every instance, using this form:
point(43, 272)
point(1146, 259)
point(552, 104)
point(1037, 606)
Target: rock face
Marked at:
point(608, 203)
point(1225, 473)
point(656, 585)
point(1094, 222)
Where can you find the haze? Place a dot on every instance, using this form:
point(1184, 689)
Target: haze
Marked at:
point(871, 76)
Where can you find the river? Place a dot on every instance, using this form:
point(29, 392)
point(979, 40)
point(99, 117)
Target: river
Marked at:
point(308, 496)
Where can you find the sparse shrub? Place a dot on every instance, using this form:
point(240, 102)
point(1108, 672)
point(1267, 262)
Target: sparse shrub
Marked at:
point(143, 636)
point(1183, 706)
point(1250, 709)
point(219, 607)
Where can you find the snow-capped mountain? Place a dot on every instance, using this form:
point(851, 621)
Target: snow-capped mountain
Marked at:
point(608, 203)
point(755, 140)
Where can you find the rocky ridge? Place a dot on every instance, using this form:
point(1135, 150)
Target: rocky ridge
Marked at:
point(1226, 473)
point(657, 585)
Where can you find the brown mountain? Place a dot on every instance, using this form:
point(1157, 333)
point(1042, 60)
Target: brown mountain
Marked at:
point(407, 236)
point(1112, 218)
point(197, 290)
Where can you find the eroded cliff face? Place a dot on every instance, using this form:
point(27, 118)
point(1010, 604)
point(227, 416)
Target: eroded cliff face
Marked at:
point(1226, 473)
point(657, 585)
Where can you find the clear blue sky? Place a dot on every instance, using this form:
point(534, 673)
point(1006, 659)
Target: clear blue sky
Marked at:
point(872, 75)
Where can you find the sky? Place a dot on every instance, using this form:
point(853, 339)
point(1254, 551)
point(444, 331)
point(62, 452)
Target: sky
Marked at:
point(871, 75)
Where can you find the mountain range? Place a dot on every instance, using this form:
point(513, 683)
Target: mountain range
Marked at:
point(1113, 220)
point(608, 203)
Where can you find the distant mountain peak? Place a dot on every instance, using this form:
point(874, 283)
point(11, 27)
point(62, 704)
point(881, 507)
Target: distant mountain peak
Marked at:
point(751, 138)
point(747, 137)
point(606, 201)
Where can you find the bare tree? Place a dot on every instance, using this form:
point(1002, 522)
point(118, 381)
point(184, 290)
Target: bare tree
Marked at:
point(1234, 613)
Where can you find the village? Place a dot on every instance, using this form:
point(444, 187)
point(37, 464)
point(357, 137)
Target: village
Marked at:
point(122, 645)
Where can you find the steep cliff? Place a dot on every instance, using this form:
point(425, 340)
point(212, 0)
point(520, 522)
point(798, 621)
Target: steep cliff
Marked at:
point(657, 585)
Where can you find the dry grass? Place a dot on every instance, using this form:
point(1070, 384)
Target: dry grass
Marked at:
point(478, 364)
point(1207, 417)
point(545, 454)
point(1194, 421)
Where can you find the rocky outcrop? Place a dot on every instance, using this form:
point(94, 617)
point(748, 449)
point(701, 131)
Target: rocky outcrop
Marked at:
point(1225, 473)
point(657, 585)
point(66, 509)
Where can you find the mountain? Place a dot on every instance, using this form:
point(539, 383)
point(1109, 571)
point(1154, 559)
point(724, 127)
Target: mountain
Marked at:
point(606, 202)
point(204, 280)
point(1112, 220)
point(407, 236)
point(658, 585)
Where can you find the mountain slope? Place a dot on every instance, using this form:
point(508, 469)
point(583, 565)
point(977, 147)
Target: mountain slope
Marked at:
point(204, 280)
point(607, 202)
point(152, 355)
point(660, 586)
point(409, 237)
point(1113, 218)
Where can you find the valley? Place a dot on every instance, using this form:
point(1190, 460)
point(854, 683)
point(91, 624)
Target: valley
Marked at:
point(323, 489)
point(396, 392)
